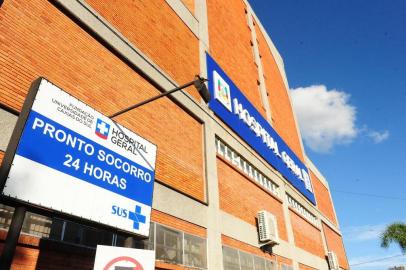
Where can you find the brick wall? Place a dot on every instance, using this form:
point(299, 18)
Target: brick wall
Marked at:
point(306, 236)
point(39, 40)
point(324, 202)
point(176, 223)
point(230, 37)
point(153, 27)
point(335, 244)
point(282, 115)
point(243, 199)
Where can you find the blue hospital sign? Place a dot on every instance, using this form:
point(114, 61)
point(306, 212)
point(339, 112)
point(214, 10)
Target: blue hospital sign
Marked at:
point(232, 107)
point(73, 159)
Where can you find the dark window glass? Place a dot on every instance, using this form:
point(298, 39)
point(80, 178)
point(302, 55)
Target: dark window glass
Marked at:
point(56, 229)
point(72, 233)
point(168, 245)
point(6, 214)
point(133, 242)
point(37, 225)
point(194, 251)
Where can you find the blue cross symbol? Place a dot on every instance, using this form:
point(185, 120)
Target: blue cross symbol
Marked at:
point(137, 217)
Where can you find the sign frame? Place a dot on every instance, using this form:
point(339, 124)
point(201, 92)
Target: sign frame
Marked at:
point(11, 152)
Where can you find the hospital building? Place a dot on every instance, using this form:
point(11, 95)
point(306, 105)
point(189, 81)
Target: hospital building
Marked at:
point(233, 189)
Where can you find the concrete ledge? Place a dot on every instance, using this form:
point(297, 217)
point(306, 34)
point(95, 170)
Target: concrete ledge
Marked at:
point(185, 15)
point(174, 203)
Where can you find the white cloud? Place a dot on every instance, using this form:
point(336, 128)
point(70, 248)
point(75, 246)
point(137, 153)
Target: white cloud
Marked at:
point(363, 232)
point(325, 117)
point(378, 137)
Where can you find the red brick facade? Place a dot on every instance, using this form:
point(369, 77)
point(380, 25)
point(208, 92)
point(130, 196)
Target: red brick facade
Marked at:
point(282, 114)
point(306, 236)
point(324, 202)
point(39, 38)
point(335, 244)
point(232, 49)
point(243, 199)
point(91, 77)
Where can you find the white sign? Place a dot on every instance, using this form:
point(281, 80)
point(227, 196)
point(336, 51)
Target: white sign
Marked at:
point(118, 258)
point(71, 158)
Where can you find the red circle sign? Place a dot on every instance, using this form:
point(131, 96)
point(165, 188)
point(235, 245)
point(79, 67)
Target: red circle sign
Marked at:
point(137, 265)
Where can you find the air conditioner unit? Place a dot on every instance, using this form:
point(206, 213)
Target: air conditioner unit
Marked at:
point(332, 261)
point(267, 228)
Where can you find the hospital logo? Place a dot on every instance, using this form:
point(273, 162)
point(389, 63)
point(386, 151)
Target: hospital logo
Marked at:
point(222, 91)
point(102, 129)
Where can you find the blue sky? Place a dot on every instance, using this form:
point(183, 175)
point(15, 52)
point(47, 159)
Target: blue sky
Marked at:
point(349, 59)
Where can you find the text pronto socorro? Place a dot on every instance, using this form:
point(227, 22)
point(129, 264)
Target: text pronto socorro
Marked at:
point(90, 149)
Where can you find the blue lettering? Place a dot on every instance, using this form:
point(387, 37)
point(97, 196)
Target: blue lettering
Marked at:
point(121, 212)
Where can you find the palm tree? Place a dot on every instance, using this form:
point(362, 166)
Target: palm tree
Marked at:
point(395, 232)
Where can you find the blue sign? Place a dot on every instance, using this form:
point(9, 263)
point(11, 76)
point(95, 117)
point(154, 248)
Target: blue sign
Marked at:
point(73, 154)
point(231, 106)
point(72, 159)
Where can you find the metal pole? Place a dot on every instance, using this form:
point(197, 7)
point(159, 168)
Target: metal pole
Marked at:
point(152, 99)
point(12, 238)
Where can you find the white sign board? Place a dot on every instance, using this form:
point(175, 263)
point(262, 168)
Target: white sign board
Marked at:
point(71, 158)
point(118, 258)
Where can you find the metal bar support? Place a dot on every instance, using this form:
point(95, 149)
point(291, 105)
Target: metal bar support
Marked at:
point(13, 234)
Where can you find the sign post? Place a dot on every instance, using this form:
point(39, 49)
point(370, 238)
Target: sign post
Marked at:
point(12, 237)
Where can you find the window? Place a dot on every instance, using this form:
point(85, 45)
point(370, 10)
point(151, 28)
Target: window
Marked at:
point(286, 267)
point(132, 242)
point(71, 232)
point(34, 224)
point(234, 259)
point(168, 245)
point(259, 263)
point(37, 225)
point(194, 251)
point(270, 265)
point(301, 210)
point(246, 261)
point(231, 260)
point(171, 245)
point(6, 214)
point(243, 165)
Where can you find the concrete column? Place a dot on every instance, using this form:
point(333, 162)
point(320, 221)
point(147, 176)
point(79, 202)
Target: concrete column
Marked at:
point(214, 254)
point(288, 224)
point(214, 247)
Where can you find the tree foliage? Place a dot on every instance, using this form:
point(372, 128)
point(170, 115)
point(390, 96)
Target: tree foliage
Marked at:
point(395, 232)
